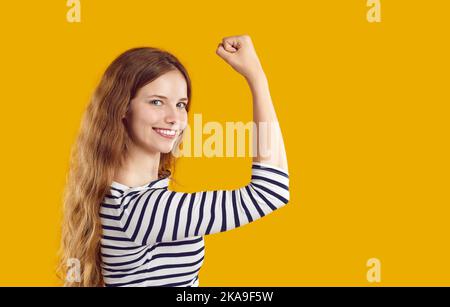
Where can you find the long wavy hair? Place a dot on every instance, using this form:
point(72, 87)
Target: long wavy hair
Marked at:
point(99, 150)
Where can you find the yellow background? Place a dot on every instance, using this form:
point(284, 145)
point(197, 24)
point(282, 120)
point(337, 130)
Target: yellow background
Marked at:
point(364, 109)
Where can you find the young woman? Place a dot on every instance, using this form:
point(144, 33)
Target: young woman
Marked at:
point(121, 222)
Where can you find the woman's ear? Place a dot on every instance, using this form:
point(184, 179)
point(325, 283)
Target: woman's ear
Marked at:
point(125, 116)
point(125, 121)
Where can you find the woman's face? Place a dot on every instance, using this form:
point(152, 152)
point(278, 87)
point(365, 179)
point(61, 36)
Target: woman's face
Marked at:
point(157, 114)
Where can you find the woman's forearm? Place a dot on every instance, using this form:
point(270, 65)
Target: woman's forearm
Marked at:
point(270, 147)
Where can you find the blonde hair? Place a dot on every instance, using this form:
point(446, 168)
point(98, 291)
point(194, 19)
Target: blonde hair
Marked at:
point(100, 148)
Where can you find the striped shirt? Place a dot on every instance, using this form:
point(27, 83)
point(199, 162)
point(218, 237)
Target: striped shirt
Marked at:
point(153, 236)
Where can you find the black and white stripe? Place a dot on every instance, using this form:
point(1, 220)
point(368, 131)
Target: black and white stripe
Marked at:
point(153, 236)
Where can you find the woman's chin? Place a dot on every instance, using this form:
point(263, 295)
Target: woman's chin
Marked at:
point(164, 146)
point(165, 149)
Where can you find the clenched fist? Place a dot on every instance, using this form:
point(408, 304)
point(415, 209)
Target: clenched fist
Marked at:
point(238, 51)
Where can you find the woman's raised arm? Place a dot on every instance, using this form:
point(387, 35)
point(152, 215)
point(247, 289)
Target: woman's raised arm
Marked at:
point(239, 52)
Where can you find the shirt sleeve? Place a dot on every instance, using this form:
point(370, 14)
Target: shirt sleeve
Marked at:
point(162, 215)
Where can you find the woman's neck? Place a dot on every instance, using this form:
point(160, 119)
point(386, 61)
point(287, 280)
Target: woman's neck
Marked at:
point(139, 168)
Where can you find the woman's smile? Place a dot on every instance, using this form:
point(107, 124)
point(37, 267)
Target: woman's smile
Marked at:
point(166, 133)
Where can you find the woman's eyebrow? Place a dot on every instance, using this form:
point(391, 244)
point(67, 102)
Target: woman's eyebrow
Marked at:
point(160, 96)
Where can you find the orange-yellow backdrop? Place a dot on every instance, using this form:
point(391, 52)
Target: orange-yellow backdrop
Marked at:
point(364, 109)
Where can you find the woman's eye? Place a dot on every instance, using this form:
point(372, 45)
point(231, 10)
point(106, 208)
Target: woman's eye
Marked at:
point(183, 105)
point(153, 101)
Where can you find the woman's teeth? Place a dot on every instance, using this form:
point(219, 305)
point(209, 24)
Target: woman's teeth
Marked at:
point(165, 132)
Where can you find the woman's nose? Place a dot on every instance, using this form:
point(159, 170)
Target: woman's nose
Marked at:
point(171, 115)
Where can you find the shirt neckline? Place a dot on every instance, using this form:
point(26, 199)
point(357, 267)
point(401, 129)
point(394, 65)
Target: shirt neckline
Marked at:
point(157, 183)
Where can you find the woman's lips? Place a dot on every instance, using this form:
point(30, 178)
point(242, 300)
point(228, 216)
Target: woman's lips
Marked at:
point(166, 133)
